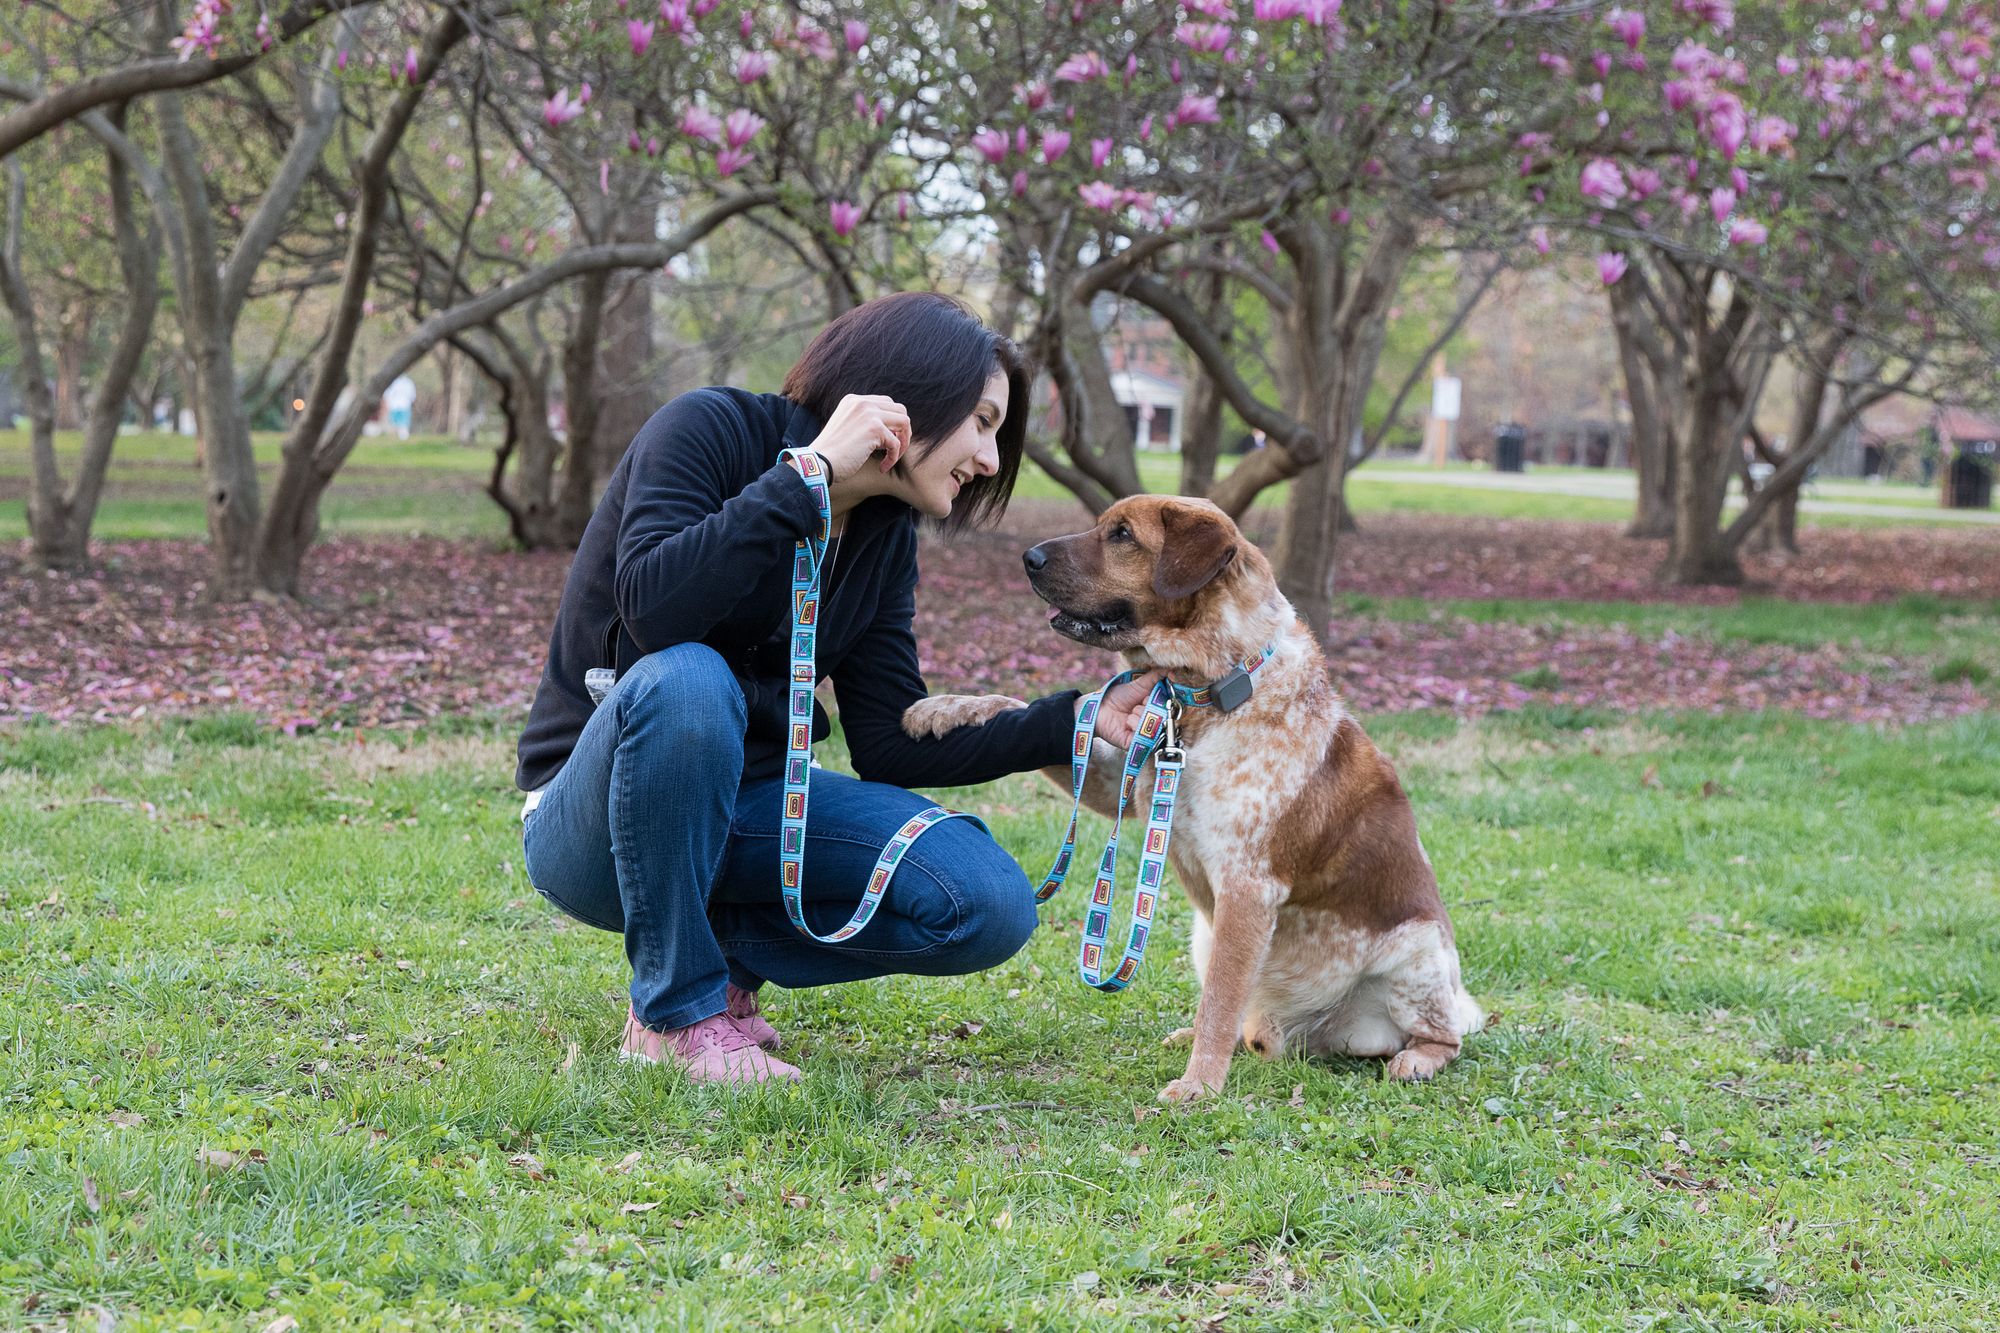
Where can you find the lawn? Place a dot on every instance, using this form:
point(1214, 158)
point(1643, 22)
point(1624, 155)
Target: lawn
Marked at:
point(436, 487)
point(286, 1034)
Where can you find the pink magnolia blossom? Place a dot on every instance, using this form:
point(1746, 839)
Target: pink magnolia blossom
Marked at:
point(1721, 203)
point(703, 8)
point(1209, 37)
point(559, 110)
point(1034, 95)
point(741, 127)
point(1644, 181)
point(1771, 135)
point(753, 65)
point(1611, 267)
point(410, 70)
point(1748, 231)
point(1922, 60)
point(1195, 109)
point(1677, 94)
point(815, 42)
point(1725, 123)
point(1319, 13)
point(1601, 62)
point(1054, 144)
point(856, 33)
point(1629, 25)
point(1277, 11)
point(1269, 241)
point(992, 145)
point(902, 206)
point(747, 25)
point(730, 161)
point(603, 176)
point(641, 35)
point(264, 33)
point(701, 123)
point(1719, 14)
point(1099, 194)
point(1146, 129)
point(1100, 153)
point(674, 13)
point(1082, 67)
point(1539, 238)
point(844, 216)
point(1131, 68)
point(1602, 180)
point(1020, 186)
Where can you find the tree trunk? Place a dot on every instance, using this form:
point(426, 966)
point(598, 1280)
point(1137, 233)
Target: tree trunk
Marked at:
point(61, 537)
point(1652, 449)
point(1201, 436)
point(1697, 551)
point(229, 467)
point(627, 380)
point(583, 410)
point(1331, 342)
point(72, 347)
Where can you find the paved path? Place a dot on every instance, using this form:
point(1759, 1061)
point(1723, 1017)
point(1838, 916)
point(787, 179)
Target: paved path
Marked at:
point(1624, 486)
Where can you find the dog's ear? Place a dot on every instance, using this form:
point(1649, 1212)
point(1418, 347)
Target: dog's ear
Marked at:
point(1198, 545)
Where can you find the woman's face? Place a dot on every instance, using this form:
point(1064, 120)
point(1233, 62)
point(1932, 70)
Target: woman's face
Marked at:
point(934, 481)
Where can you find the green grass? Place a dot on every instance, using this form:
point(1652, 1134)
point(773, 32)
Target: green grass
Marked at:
point(1916, 625)
point(1748, 970)
point(435, 487)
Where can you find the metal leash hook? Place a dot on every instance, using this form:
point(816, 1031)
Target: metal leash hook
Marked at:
point(1170, 742)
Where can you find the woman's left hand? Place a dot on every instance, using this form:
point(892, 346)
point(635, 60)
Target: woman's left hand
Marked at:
point(1118, 716)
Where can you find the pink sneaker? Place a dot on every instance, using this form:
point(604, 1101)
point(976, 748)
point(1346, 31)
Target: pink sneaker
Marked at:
point(742, 1006)
point(715, 1050)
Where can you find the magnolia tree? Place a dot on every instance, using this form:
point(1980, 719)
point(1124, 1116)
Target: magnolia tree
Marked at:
point(1300, 155)
point(1784, 182)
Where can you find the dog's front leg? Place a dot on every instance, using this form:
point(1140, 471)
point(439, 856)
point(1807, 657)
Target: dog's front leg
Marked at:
point(1245, 915)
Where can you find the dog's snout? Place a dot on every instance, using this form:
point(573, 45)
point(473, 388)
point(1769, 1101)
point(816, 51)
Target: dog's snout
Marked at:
point(1034, 558)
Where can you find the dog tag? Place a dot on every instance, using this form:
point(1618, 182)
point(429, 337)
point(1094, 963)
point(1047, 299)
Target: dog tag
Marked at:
point(1232, 691)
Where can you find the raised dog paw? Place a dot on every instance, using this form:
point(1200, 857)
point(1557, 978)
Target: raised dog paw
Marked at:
point(932, 717)
point(1178, 1037)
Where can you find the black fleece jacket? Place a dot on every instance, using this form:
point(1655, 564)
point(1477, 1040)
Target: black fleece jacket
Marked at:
point(693, 542)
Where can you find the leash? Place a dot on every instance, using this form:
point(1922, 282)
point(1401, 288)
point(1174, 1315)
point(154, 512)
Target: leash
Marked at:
point(798, 744)
point(1155, 732)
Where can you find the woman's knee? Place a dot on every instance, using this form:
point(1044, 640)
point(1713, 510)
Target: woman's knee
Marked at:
point(684, 696)
point(996, 904)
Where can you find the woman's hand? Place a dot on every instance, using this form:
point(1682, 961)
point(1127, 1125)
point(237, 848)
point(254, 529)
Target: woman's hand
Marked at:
point(1118, 716)
point(862, 426)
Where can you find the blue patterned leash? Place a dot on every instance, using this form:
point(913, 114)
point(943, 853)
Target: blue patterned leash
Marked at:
point(798, 746)
point(1156, 731)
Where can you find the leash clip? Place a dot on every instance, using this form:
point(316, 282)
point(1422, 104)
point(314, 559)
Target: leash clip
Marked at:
point(1170, 742)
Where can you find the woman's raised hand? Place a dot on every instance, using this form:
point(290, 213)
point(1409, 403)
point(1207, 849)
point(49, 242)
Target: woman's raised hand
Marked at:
point(863, 426)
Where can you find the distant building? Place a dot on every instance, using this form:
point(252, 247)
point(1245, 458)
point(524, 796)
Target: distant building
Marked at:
point(1908, 439)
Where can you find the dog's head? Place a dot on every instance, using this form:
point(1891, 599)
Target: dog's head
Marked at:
point(1151, 562)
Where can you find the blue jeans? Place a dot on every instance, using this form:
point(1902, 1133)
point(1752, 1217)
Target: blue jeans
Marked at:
point(648, 830)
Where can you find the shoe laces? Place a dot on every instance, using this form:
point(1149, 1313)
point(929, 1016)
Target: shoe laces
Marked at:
point(719, 1031)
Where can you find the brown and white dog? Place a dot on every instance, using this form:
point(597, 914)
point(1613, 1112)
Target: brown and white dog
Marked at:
point(1318, 921)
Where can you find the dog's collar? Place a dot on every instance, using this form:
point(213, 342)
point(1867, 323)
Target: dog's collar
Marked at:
point(1231, 691)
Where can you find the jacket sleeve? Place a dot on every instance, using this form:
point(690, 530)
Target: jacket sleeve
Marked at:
point(879, 678)
point(692, 539)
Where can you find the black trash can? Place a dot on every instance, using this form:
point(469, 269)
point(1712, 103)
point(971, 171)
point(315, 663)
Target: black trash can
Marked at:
point(1510, 447)
point(1968, 482)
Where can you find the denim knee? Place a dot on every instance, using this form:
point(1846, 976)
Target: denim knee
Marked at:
point(996, 904)
point(687, 700)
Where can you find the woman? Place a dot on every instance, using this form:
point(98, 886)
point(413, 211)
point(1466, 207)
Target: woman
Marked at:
point(656, 812)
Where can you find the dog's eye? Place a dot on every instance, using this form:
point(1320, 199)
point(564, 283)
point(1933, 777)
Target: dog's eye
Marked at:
point(1121, 533)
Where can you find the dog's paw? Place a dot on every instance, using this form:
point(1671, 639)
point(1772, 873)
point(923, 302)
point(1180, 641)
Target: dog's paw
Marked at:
point(1178, 1037)
point(1411, 1066)
point(1188, 1088)
point(933, 717)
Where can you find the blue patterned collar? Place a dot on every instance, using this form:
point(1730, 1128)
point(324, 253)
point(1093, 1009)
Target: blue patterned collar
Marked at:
point(1228, 693)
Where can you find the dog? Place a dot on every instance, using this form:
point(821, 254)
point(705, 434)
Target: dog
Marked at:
point(1318, 920)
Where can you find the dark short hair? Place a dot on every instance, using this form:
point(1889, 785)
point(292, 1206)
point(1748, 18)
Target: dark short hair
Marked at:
point(930, 353)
